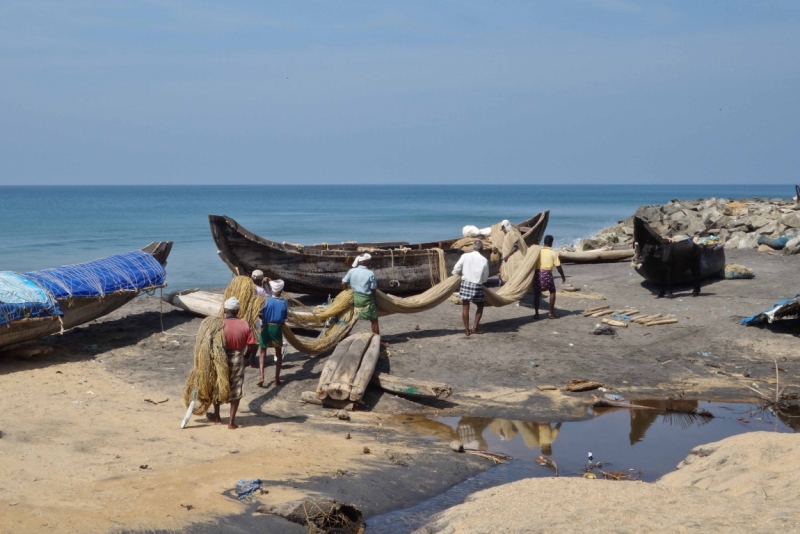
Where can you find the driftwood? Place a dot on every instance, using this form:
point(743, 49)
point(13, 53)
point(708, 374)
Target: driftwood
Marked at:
point(646, 318)
point(310, 397)
point(600, 402)
point(582, 385)
point(602, 313)
point(345, 374)
point(595, 256)
point(329, 369)
point(411, 386)
point(627, 312)
point(323, 513)
point(596, 309)
point(660, 322)
point(612, 322)
point(367, 369)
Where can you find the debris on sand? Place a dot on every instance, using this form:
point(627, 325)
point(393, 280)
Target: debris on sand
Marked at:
point(734, 271)
point(604, 330)
point(324, 513)
point(580, 384)
point(247, 487)
point(456, 446)
point(544, 460)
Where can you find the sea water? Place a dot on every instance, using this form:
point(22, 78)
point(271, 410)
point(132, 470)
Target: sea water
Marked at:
point(43, 227)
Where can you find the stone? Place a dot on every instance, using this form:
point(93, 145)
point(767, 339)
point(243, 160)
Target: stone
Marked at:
point(712, 215)
point(732, 243)
point(791, 220)
point(769, 228)
point(736, 208)
point(695, 228)
point(587, 244)
point(748, 241)
point(765, 248)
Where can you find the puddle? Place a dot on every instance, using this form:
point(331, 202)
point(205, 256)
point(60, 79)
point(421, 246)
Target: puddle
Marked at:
point(646, 444)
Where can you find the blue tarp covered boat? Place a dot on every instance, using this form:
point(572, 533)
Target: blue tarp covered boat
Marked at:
point(38, 303)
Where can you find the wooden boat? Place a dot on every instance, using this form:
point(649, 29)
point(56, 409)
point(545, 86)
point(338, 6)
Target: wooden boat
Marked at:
point(595, 256)
point(401, 268)
point(78, 310)
point(712, 257)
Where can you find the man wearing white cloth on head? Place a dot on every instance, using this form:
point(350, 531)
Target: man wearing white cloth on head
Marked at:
point(273, 316)
point(474, 271)
point(363, 283)
point(259, 279)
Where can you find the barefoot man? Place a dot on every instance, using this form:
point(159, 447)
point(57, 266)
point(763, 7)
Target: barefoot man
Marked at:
point(474, 271)
point(239, 340)
point(363, 283)
point(272, 318)
point(543, 276)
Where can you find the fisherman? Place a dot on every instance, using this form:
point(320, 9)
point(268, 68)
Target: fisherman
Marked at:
point(474, 271)
point(543, 276)
point(258, 281)
point(239, 340)
point(273, 317)
point(362, 281)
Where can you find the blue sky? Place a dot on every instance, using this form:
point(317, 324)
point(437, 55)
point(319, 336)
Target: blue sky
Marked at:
point(573, 91)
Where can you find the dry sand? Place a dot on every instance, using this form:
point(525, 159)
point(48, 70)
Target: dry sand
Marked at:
point(75, 425)
point(746, 483)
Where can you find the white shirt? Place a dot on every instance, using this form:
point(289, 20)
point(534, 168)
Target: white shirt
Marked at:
point(263, 292)
point(472, 267)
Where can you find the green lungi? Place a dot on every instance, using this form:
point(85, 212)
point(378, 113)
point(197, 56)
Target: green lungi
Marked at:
point(365, 304)
point(271, 336)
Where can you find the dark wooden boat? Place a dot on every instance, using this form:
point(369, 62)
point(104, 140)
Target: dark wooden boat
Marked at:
point(712, 257)
point(401, 268)
point(77, 310)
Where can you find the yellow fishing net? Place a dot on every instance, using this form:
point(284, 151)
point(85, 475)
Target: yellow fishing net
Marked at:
point(209, 374)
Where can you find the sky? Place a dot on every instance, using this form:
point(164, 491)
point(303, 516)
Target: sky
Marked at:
point(450, 92)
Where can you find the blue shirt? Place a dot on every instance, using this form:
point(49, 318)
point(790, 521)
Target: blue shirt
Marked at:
point(275, 311)
point(361, 280)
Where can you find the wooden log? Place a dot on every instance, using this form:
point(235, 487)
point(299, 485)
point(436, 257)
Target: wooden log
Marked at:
point(626, 312)
point(612, 322)
point(367, 369)
point(342, 380)
point(411, 386)
point(595, 309)
point(646, 318)
point(330, 366)
point(203, 303)
point(310, 397)
point(595, 256)
point(661, 321)
point(602, 313)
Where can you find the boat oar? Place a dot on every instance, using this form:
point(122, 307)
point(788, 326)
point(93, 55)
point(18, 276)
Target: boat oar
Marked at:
point(189, 410)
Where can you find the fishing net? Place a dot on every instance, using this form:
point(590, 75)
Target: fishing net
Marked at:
point(209, 374)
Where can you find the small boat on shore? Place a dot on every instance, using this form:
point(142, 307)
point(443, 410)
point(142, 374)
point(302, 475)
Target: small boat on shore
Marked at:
point(712, 256)
point(40, 303)
point(401, 268)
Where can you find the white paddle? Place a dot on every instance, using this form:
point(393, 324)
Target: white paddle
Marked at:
point(189, 410)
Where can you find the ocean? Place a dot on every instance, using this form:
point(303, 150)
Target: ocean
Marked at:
point(45, 227)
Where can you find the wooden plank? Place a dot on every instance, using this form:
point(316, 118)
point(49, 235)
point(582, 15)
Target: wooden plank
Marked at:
point(310, 397)
point(345, 374)
point(330, 366)
point(612, 322)
point(411, 386)
point(367, 369)
point(661, 321)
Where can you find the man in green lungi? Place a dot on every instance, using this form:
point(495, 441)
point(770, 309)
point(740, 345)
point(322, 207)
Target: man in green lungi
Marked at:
point(273, 316)
point(362, 281)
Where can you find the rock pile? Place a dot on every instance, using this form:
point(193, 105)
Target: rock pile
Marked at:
point(743, 222)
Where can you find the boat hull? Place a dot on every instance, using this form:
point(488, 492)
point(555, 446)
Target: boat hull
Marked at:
point(400, 268)
point(77, 311)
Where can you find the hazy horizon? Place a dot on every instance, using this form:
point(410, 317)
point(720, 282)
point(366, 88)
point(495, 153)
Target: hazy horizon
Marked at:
point(167, 92)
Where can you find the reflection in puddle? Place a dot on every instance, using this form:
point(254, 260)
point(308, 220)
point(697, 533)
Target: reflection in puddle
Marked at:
point(648, 442)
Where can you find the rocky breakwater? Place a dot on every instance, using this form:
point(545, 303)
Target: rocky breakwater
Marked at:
point(741, 222)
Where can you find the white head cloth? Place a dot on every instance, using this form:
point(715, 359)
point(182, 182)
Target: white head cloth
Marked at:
point(361, 259)
point(232, 304)
point(257, 274)
point(505, 223)
point(276, 286)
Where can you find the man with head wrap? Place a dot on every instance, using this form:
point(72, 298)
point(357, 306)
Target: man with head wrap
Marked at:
point(238, 341)
point(362, 281)
point(259, 279)
point(273, 316)
point(474, 270)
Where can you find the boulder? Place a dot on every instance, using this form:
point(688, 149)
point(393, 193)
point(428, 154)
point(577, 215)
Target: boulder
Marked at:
point(791, 220)
point(736, 208)
point(587, 244)
point(769, 228)
point(792, 247)
point(765, 248)
point(748, 241)
point(695, 228)
point(757, 221)
point(712, 215)
point(732, 243)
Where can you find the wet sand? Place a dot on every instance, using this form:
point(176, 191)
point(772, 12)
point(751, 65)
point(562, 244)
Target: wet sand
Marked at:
point(76, 428)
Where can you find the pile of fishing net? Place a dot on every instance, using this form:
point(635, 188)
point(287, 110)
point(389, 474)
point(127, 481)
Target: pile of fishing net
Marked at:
point(209, 374)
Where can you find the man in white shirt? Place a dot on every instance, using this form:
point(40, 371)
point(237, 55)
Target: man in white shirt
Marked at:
point(474, 271)
point(258, 280)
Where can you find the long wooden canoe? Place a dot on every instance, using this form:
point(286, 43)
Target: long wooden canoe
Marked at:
point(401, 268)
point(77, 310)
point(712, 258)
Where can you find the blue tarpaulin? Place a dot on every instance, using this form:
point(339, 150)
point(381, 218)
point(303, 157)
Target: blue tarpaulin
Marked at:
point(768, 316)
point(34, 294)
point(132, 271)
point(21, 298)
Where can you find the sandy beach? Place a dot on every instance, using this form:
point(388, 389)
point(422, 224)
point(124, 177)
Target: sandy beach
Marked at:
point(86, 451)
